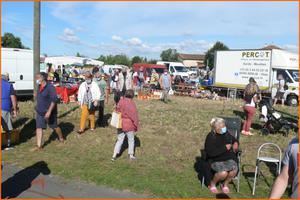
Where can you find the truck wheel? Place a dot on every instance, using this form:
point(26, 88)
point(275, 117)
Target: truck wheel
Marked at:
point(292, 101)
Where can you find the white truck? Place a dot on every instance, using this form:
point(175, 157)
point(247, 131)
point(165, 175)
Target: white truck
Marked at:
point(18, 63)
point(176, 69)
point(233, 68)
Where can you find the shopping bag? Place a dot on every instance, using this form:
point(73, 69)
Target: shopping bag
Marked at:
point(116, 120)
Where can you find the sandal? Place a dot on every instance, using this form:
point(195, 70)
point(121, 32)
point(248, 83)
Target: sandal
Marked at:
point(80, 132)
point(213, 189)
point(247, 133)
point(35, 149)
point(225, 189)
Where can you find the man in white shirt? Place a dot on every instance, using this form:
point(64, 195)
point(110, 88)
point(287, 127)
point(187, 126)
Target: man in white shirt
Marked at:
point(280, 90)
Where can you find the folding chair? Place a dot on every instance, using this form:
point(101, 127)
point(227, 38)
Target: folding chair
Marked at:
point(270, 153)
point(234, 128)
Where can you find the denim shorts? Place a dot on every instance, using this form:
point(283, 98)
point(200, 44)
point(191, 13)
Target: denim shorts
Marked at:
point(6, 121)
point(41, 122)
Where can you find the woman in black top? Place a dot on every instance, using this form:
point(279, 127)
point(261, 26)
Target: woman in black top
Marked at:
point(221, 149)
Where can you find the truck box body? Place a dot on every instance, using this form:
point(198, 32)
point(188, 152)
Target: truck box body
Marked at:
point(234, 68)
point(18, 63)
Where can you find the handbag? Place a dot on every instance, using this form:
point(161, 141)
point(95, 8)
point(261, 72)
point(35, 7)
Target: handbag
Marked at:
point(116, 120)
point(92, 107)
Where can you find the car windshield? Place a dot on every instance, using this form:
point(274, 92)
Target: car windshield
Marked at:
point(159, 70)
point(181, 69)
point(295, 75)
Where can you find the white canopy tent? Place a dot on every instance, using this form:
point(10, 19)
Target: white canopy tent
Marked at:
point(71, 60)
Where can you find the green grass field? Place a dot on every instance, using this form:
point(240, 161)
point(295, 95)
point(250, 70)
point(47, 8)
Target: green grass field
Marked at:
point(169, 142)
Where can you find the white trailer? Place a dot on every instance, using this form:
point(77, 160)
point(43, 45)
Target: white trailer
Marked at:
point(18, 63)
point(233, 69)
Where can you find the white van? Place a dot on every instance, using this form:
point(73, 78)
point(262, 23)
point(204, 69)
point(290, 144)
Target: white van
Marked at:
point(176, 68)
point(18, 63)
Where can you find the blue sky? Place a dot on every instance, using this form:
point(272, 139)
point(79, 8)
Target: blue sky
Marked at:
point(147, 28)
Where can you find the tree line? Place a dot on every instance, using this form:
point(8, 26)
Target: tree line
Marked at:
point(171, 55)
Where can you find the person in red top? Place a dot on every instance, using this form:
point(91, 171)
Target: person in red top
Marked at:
point(130, 124)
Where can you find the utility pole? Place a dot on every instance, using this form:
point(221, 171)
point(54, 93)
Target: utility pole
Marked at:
point(36, 41)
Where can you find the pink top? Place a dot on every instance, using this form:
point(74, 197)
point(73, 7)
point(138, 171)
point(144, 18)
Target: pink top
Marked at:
point(130, 121)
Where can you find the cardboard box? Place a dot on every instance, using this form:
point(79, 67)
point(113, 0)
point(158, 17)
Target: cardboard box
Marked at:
point(15, 137)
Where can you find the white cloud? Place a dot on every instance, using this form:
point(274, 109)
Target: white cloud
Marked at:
point(135, 46)
point(116, 38)
point(133, 41)
point(130, 42)
point(69, 36)
point(147, 28)
point(291, 48)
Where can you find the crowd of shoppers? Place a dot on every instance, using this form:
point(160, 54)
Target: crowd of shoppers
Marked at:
point(221, 147)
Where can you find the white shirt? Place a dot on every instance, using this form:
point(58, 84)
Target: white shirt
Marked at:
point(281, 85)
point(95, 90)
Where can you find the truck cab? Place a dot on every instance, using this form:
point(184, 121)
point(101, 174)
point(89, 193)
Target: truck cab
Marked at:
point(291, 77)
point(286, 64)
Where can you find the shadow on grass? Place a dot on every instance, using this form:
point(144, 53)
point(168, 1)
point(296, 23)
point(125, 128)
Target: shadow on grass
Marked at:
point(22, 180)
point(137, 143)
point(105, 122)
point(203, 170)
point(68, 112)
point(28, 131)
point(243, 117)
point(20, 122)
point(222, 196)
point(249, 177)
point(66, 128)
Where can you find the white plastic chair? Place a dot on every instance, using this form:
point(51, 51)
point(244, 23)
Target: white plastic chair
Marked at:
point(270, 153)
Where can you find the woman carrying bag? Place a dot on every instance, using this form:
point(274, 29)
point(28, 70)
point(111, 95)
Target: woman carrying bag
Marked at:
point(88, 98)
point(130, 124)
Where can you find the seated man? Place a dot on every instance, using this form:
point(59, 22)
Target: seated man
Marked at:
point(221, 148)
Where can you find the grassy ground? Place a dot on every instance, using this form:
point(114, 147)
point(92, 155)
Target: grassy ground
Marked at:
point(169, 141)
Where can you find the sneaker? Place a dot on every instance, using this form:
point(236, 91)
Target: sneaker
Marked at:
point(113, 159)
point(8, 148)
point(131, 157)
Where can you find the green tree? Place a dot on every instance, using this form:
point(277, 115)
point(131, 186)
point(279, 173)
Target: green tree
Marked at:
point(152, 61)
point(11, 41)
point(78, 55)
point(115, 59)
point(102, 58)
point(137, 59)
point(122, 59)
point(210, 54)
point(169, 55)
